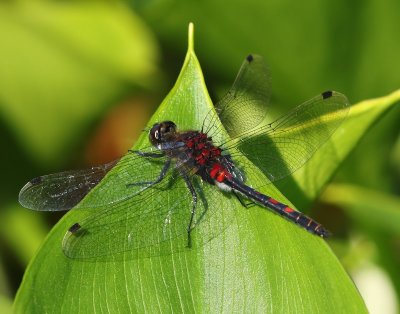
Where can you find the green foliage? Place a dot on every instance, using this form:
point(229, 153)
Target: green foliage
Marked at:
point(371, 209)
point(65, 64)
point(347, 46)
point(23, 230)
point(5, 305)
point(375, 214)
point(56, 59)
point(362, 117)
point(259, 263)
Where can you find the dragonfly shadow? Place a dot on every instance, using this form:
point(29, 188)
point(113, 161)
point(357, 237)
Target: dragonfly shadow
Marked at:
point(277, 167)
point(214, 213)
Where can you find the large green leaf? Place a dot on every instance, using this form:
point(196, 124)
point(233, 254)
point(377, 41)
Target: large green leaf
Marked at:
point(257, 263)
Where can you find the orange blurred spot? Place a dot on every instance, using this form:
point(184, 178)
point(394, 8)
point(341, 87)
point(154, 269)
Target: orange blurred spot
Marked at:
point(119, 130)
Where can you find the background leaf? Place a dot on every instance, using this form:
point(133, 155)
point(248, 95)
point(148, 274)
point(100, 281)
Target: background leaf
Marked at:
point(375, 212)
point(69, 77)
point(362, 117)
point(259, 263)
point(64, 65)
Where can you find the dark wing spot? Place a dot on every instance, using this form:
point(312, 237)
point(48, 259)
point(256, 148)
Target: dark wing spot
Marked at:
point(74, 228)
point(327, 94)
point(249, 58)
point(36, 181)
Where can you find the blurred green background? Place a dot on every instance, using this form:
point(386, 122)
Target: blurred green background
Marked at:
point(79, 79)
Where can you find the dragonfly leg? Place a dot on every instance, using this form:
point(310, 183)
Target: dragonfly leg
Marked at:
point(163, 172)
point(245, 202)
point(143, 154)
point(194, 204)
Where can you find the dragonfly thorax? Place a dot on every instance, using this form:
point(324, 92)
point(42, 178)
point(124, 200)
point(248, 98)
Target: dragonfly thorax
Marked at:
point(201, 148)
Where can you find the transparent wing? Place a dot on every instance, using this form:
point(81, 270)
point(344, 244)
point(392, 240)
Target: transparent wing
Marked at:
point(282, 147)
point(245, 105)
point(145, 224)
point(62, 191)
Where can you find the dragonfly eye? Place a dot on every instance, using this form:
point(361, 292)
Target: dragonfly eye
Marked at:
point(162, 132)
point(168, 127)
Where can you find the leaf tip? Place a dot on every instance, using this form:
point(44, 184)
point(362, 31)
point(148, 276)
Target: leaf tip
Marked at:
point(190, 37)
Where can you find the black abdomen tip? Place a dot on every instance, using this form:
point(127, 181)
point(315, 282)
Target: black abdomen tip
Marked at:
point(74, 228)
point(323, 233)
point(250, 58)
point(327, 94)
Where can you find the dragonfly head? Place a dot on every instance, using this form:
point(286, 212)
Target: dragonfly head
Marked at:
point(162, 132)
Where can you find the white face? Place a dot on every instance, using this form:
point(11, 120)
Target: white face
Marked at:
point(223, 186)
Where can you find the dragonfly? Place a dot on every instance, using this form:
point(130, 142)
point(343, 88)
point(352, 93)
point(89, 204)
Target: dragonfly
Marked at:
point(171, 190)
